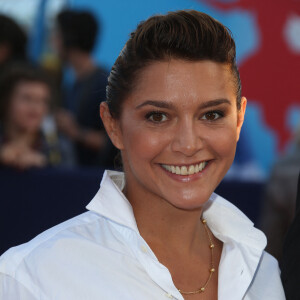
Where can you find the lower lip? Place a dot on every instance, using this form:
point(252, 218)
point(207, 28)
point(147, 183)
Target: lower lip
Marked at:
point(186, 178)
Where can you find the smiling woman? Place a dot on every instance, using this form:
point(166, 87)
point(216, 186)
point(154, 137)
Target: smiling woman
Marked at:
point(191, 121)
point(174, 110)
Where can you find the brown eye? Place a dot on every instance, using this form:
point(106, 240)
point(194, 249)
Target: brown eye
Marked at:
point(157, 117)
point(211, 116)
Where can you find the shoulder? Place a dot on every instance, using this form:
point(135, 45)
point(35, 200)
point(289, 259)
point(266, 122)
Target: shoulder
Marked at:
point(45, 242)
point(43, 257)
point(69, 254)
point(266, 283)
point(268, 264)
point(245, 267)
point(263, 269)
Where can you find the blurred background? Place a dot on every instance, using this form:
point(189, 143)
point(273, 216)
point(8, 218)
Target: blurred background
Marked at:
point(68, 47)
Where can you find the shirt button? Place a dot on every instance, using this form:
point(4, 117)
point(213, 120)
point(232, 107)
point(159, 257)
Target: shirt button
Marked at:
point(169, 296)
point(144, 248)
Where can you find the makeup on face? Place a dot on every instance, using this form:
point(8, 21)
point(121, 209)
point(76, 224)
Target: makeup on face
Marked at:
point(178, 129)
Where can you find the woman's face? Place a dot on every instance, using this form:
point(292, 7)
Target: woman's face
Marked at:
point(178, 131)
point(28, 106)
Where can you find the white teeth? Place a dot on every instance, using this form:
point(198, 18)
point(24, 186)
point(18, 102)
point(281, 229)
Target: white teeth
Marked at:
point(201, 166)
point(185, 170)
point(191, 170)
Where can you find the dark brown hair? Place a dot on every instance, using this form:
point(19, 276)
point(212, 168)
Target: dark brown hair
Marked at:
point(187, 34)
point(78, 29)
point(12, 75)
point(14, 36)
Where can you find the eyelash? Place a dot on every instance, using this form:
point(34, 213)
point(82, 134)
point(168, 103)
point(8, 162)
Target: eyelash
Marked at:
point(218, 112)
point(150, 115)
point(153, 113)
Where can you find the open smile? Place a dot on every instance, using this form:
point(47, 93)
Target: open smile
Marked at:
point(185, 170)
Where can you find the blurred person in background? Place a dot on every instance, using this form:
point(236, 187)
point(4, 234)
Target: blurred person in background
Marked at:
point(280, 197)
point(25, 96)
point(290, 263)
point(79, 119)
point(13, 42)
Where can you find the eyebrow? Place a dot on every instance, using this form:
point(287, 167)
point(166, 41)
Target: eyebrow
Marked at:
point(157, 103)
point(168, 105)
point(215, 102)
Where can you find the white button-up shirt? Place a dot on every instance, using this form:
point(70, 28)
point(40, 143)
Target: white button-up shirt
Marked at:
point(101, 255)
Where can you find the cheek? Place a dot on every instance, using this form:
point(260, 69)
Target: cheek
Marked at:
point(17, 111)
point(23, 114)
point(143, 144)
point(223, 142)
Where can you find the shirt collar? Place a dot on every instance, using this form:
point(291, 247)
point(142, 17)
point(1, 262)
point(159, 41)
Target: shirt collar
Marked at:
point(238, 263)
point(228, 224)
point(226, 221)
point(111, 203)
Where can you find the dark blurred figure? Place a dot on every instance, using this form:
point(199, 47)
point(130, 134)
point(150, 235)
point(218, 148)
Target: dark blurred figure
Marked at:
point(74, 41)
point(25, 95)
point(13, 42)
point(290, 264)
point(280, 198)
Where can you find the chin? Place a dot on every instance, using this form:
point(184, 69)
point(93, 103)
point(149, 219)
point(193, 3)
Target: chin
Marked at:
point(190, 203)
point(189, 207)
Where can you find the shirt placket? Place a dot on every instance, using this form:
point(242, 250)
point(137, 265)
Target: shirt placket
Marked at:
point(156, 271)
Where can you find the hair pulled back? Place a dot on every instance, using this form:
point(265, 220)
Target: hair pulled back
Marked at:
point(187, 34)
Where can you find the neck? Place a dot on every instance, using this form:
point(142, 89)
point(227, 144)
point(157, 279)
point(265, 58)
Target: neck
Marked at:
point(163, 225)
point(82, 63)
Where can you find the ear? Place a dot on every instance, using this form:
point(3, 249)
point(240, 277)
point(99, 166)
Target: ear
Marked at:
point(240, 117)
point(112, 126)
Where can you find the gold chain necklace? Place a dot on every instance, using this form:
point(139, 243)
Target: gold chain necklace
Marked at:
point(212, 268)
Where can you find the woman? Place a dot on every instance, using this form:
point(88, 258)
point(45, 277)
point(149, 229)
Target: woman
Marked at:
point(158, 231)
point(25, 94)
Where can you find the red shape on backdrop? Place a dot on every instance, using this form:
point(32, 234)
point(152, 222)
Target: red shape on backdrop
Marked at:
point(271, 75)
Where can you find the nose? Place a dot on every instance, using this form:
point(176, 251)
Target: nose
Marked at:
point(187, 139)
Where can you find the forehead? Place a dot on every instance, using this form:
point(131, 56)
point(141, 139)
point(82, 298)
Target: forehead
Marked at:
point(178, 80)
point(32, 85)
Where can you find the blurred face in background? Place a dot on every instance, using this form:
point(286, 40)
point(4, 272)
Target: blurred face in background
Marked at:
point(28, 106)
